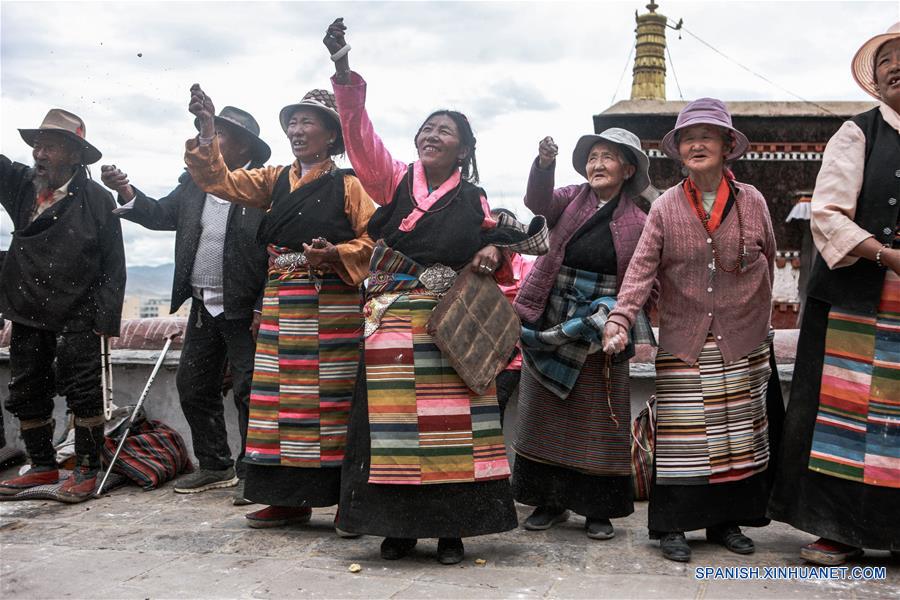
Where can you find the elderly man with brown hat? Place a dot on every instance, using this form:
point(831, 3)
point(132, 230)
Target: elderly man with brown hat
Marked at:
point(61, 285)
point(220, 265)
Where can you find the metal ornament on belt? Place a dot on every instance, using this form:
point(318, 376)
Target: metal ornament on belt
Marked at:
point(438, 278)
point(291, 261)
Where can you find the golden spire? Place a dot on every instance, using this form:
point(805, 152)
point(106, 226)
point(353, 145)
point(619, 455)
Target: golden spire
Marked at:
point(649, 75)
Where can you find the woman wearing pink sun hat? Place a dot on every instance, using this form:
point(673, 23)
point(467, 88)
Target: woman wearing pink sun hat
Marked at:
point(839, 472)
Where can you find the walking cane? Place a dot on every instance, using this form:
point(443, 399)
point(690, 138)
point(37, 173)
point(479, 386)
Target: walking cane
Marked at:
point(106, 378)
point(159, 361)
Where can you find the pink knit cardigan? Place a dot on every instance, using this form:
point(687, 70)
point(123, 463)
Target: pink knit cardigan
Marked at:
point(694, 299)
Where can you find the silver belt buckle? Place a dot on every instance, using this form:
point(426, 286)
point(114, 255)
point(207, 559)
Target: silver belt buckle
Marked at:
point(438, 278)
point(291, 260)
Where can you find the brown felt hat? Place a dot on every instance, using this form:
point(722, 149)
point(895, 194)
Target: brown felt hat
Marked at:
point(69, 125)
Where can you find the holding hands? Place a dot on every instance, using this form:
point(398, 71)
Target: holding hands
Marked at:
point(615, 338)
point(547, 151)
point(202, 107)
point(115, 179)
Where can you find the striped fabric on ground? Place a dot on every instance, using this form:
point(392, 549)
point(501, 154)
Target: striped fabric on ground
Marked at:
point(711, 417)
point(857, 431)
point(587, 431)
point(426, 426)
point(307, 352)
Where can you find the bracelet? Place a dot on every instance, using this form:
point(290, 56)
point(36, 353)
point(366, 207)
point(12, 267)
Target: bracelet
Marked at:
point(204, 141)
point(878, 257)
point(341, 53)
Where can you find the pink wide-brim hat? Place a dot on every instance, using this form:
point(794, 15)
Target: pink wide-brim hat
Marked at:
point(863, 64)
point(705, 111)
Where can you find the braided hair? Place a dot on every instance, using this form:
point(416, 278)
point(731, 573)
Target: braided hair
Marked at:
point(468, 165)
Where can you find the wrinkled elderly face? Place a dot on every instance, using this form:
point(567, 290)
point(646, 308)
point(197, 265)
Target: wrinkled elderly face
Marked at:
point(607, 170)
point(55, 157)
point(310, 137)
point(887, 73)
point(234, 147)
point(703, 147)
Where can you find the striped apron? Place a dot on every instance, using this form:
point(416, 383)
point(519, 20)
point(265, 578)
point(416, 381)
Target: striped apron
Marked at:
point(857, 430)
point(307, 354)
point(711, 423)
point(426, 425)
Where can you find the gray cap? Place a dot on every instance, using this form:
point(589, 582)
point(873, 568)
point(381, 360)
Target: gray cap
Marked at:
point(628, 143)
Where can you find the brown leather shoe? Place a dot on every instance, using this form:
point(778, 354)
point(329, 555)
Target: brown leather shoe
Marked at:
point(79, 486)
point(31, 479)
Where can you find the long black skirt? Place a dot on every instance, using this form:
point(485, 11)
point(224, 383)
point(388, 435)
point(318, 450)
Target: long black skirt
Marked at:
point(449, 510)
point(292, 486)
point(743, 502)
point(857, 514)
point(593, 496)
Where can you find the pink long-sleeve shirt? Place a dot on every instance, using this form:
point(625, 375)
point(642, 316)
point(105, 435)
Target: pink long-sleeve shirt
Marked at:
point(694, 300)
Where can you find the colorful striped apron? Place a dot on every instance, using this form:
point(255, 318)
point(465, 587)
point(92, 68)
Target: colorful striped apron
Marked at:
point(857, 431)
point(711, 424)
point(307, 353)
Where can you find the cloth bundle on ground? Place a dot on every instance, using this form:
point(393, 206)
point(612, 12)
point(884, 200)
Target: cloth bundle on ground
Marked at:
point(153, 454)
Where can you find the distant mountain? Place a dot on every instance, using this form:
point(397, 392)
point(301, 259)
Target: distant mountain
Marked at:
point(150, 281)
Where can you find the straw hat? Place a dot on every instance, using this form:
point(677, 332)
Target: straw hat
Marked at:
point(863, 64)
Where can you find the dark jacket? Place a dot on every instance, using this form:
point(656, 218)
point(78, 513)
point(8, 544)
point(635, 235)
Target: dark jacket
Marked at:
point(245, 260)
point(66, 270)
point(858, 286)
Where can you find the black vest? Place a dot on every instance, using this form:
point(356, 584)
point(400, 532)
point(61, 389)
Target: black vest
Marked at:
point(858, 287)
point(313, 210)
point(448, 233)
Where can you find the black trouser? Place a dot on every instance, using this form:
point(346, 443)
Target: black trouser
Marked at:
point(507, 381)
point(207, 343)
point(34, 382)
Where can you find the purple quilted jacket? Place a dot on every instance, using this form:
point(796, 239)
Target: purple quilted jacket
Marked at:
point(566, 210)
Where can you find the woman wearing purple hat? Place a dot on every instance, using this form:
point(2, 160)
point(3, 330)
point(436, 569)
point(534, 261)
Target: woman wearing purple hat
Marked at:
point(573, 442)
point(710, 244)
point(839, 471)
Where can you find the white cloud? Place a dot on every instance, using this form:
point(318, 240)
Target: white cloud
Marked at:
point(520, 70)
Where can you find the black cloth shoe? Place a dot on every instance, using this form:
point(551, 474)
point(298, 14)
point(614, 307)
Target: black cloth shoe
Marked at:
point(397, 548)
point(450, 551)
point(674, 546)
point(731, 537)
point(545, 517)
point(599, 529)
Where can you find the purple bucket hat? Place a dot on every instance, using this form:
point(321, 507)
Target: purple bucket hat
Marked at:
point(705, 111)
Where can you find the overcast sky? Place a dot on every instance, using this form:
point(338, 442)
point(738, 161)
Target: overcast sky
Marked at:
point(520, 71)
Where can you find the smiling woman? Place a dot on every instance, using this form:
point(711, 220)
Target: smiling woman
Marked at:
point(425, 454)
point(315, 231)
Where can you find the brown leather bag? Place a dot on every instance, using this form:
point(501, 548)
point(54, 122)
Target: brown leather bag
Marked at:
point(476, 328)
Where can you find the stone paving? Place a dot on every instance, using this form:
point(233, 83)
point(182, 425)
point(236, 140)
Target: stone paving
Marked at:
point(136, 544)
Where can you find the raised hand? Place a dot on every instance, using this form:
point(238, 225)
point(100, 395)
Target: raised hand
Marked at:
point(117, 180)
point(547, 151)
point(336, 42)
point(202, 107)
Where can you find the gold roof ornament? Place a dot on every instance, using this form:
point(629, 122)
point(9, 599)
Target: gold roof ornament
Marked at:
point(649, 74)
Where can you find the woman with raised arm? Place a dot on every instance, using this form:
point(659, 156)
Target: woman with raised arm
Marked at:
point(573, 442)
point(425, 456)
point(307, 348)
point(839, 470)
point(709, 242)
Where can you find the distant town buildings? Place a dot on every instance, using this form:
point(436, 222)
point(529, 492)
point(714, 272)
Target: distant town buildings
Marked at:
point(151, 307)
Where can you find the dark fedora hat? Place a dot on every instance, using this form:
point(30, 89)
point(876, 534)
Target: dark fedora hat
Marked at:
point(69, 125)
point(245, 125)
